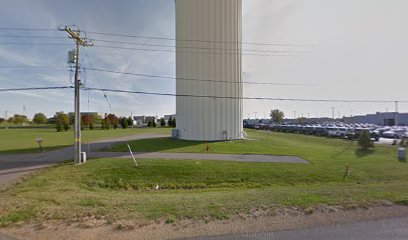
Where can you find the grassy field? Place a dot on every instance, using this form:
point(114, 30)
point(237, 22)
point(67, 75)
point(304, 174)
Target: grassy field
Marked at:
point(209, 190)
point(24, 140)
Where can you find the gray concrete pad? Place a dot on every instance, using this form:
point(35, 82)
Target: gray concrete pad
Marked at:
point(204, 156)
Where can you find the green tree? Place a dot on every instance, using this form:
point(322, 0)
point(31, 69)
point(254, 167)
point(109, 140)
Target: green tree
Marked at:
point(124, 123)
point(105, 124)
point(2, 120)
point(170, 122)
point(39, 118)
point(173, 123)
point(19, 119)
point(277, 116)
point(162, 122)
point(62, 121)
point(130, 121)
point(154, 124)
point(150, 124)
point(364, 141)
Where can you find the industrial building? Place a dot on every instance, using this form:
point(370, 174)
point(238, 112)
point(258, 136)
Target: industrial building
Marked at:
point(380, 119)
point(209, 69)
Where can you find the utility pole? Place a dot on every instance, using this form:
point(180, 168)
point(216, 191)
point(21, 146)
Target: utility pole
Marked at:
point(76, 36)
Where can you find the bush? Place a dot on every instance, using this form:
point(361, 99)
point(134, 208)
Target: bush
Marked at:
point(364, 141)
point(124, 123)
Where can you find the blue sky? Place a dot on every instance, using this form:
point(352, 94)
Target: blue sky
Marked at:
point(356, 50)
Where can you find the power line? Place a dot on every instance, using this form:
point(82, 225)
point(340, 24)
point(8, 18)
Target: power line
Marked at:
point(152, 50)
point(193, 40)
point(104, 93)
point(210, 53)
point(33, 88)
point(242, 98)
point(199, 48)
point(35, 66)
point(194, 79)
point(31, 43)
point(27, 36)
point(27, 29)
point(157, 45)
point(204, 96)
point(159, 38)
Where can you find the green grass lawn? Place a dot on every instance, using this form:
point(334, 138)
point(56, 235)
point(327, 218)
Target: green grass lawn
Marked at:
point(24, 140)
point(210, 190)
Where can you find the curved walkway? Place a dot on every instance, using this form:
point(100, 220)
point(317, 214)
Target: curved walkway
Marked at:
point(203, 156)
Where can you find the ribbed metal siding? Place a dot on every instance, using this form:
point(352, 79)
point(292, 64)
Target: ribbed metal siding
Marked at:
point(214, 28)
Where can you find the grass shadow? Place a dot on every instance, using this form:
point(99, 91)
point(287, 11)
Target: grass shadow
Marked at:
point(363, 153)
point(344, 150)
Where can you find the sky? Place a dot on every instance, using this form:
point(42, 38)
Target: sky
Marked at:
point(345, 49)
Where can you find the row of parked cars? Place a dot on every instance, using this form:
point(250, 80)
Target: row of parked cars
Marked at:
point(340, 130)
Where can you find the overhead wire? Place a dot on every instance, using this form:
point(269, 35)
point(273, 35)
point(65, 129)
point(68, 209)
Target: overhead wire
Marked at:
point(194, 79)
point(100, 85)
point(245, 98)
point(33, 88)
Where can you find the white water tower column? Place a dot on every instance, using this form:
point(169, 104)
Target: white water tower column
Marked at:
point(209, 63)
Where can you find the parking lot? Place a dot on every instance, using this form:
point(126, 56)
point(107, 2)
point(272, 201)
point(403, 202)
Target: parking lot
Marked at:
point(379, 134)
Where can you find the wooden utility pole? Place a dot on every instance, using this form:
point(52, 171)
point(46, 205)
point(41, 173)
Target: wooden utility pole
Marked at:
point(76, 36)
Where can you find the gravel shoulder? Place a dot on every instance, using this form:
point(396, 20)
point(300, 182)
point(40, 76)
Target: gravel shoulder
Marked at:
point(285, 219)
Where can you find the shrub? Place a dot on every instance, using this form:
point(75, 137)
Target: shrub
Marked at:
point(364, 141)
point(124, 123)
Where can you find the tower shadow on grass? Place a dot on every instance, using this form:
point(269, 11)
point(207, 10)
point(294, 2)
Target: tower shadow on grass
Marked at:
point(363, 153)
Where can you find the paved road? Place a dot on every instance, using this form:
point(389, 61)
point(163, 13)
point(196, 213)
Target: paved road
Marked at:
point(13, 166)
point(389, 229)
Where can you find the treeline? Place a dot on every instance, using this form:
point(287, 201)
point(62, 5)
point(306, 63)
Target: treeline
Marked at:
point(65, 121)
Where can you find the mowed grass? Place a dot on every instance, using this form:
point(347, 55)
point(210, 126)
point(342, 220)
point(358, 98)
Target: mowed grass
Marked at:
point(210, 190)
point(24, 140)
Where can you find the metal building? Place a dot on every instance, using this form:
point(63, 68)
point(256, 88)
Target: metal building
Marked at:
point(209, 63)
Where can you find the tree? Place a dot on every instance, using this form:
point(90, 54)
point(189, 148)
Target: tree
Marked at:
point(39, 118)
point(150, 124)
point(105, 124)
point(154, 124)
point(2, 120)
point(113, 120)
point(87, 120)
point(130, 121)
point(173, 123)
point(277, 116)
point(123, 123)
point(364, 141)
point(162, 122)
point(18, 119)
point(170, 122)
point(62, 121)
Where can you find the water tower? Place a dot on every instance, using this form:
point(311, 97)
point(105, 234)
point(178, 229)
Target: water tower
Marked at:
point(209, 63)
